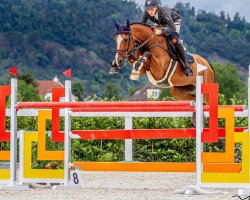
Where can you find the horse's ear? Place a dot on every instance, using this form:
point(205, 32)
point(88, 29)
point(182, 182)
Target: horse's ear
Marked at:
point(117, 25)
point(128, 24)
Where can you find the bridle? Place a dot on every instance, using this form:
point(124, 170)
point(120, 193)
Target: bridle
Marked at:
point(127, 54)
point(122, 52)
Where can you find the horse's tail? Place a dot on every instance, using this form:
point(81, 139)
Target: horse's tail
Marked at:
point(212, 67)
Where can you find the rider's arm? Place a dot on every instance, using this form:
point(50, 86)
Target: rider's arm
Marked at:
point(167, 30)
point(169, 26)
point(145, 18)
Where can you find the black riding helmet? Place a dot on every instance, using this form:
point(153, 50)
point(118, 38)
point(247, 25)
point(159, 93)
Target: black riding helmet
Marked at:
point(151, 4)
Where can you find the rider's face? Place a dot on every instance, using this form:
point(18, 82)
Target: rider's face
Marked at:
point(152, 11)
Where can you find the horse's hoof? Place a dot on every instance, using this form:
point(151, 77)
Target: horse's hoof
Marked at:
point(114, 70)
point(112, 73)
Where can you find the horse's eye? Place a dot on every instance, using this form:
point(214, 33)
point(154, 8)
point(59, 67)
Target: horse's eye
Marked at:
point(125, 40)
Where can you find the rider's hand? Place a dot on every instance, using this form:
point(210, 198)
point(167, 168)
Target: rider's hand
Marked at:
point(158, 31)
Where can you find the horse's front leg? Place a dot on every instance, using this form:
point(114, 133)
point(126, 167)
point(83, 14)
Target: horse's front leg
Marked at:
point(114, 68)
point(139, 66)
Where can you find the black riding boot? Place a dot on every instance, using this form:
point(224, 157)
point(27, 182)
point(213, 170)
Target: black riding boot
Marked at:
point(182, 54)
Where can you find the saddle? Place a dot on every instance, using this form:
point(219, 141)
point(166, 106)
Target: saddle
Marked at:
point(172, 52)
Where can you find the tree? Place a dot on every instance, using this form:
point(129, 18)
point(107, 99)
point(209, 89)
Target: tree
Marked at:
point(111, 91)
point(229, 81)
point(27, 92)
point(28, 78)
point(165, 94)
point(78, 90)
point(222, 16)
point(50, 35)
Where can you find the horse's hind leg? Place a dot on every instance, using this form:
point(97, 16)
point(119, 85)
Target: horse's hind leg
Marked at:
point(183, 93)
point(206, 99)
point(186, 93)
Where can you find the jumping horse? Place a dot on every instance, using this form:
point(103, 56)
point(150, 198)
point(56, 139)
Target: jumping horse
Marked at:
point(147, 53)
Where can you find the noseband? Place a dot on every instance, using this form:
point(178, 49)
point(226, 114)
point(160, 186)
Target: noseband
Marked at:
point(122, 52)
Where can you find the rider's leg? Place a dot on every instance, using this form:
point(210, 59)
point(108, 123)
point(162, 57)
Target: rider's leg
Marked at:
point(181, 51)
point(182, 54)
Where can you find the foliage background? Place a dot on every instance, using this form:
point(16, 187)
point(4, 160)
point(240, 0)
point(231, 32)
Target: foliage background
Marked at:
point(49, 36)
point(45, 37)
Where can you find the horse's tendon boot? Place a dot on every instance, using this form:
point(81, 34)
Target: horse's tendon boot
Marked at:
point(135, 75)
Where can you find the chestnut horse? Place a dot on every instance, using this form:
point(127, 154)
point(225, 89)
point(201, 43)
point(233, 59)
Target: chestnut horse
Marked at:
point(155, 60)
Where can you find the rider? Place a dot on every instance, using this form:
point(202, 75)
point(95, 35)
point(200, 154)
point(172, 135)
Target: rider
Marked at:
point(169, 22)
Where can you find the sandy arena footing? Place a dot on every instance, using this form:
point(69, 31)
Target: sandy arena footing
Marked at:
point(117, 186)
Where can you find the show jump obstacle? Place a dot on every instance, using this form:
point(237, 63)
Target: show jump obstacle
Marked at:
point(213, 169)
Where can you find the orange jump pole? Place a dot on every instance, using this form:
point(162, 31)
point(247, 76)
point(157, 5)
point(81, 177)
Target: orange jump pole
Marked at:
point(156, 167)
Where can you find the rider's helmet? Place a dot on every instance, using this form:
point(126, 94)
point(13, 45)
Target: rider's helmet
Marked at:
point(151, 4)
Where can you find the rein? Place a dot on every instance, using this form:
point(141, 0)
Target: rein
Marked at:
point(127, 54)
point(135, 49)
point(141, 45)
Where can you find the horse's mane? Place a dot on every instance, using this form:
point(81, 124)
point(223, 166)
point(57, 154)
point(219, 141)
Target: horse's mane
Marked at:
point(142, 24)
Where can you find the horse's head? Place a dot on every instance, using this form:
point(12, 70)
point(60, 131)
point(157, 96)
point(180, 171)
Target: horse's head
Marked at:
point(124, 43)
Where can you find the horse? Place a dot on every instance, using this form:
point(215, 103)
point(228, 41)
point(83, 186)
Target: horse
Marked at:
point(152, 57)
